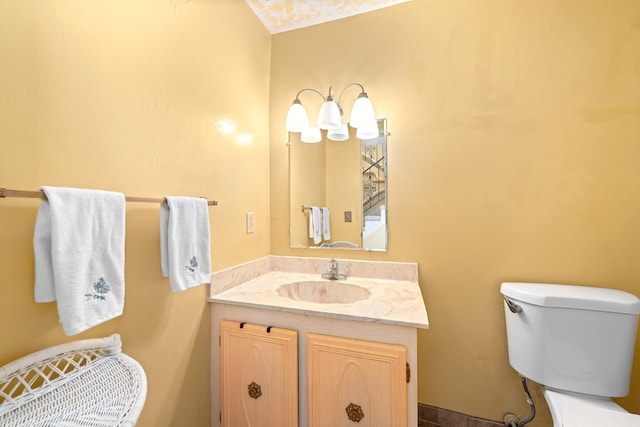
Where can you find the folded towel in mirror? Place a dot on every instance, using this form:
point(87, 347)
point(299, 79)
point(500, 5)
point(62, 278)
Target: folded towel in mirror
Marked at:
point(315, 224)
point(326, 227)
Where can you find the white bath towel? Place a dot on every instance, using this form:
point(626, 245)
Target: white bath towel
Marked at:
point(315, 224)
point(185, 251)
point(326, 227)
point(78, 246)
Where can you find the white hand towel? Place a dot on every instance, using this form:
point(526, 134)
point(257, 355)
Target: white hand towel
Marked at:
point(326, 227)
point(315, 224)
point(185, 251)
point(78, 246)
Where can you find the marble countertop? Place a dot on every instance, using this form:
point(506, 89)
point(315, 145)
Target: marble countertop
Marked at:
point(395, 296)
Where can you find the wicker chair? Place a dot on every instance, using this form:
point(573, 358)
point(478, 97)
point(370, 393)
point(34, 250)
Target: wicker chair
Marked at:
point(82, 383)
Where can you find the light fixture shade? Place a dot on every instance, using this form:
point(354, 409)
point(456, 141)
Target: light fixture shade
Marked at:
point(368, 130)
point(329, 116)
point(297, 119)
point(311, 135)
point(362, 111)
point(340, 133)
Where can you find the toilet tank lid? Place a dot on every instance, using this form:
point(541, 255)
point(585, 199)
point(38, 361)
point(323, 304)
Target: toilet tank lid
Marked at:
point(572, 296)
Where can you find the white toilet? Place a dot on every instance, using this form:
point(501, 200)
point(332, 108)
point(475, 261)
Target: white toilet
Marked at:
point(578, 343)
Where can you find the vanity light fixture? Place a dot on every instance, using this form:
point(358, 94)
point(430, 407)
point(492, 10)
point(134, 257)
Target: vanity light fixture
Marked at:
point(362, 117)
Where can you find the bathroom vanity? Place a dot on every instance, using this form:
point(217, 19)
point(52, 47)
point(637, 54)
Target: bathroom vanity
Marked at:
point(292, 349)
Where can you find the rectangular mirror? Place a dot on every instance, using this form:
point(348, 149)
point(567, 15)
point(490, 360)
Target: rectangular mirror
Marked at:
point(346, 178)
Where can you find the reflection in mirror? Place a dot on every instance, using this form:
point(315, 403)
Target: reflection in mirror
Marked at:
point(337, 192)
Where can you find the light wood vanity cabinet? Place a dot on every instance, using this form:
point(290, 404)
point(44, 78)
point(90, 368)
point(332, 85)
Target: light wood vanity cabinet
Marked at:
point(334, 358)
point(355, 382)
point(259, 367)
point(348, 381)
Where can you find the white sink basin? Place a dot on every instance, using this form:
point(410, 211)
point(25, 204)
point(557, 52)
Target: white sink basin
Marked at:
point(324, 292)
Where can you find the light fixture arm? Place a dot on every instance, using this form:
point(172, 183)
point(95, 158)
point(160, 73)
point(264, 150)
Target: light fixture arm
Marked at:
point(312, 90)
point(344, 90)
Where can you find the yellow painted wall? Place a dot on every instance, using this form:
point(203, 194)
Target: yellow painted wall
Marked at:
point(123, 95)
point(513, 155)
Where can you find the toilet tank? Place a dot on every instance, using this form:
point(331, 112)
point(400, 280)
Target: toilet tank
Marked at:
point(573, 338)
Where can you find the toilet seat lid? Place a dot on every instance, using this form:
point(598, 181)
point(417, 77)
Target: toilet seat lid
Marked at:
point(582, 415)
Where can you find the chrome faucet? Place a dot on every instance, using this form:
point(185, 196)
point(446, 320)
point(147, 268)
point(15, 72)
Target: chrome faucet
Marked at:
point(333, 273)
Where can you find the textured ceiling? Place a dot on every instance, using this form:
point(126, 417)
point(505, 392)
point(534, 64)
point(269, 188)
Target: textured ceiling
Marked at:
point(284, 15)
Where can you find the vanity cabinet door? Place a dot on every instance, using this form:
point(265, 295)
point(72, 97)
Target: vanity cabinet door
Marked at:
point(353, 382)
point(259, 367)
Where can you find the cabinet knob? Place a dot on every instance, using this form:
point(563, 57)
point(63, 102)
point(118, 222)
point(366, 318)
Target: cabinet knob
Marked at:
point(354, 412)
point(254, 390)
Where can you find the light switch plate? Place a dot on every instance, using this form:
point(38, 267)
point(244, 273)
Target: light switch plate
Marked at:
point(250, 222)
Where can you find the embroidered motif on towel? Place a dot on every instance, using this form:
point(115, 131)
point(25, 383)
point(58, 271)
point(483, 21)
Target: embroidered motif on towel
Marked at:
point(100, 290)
point(193, 265)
